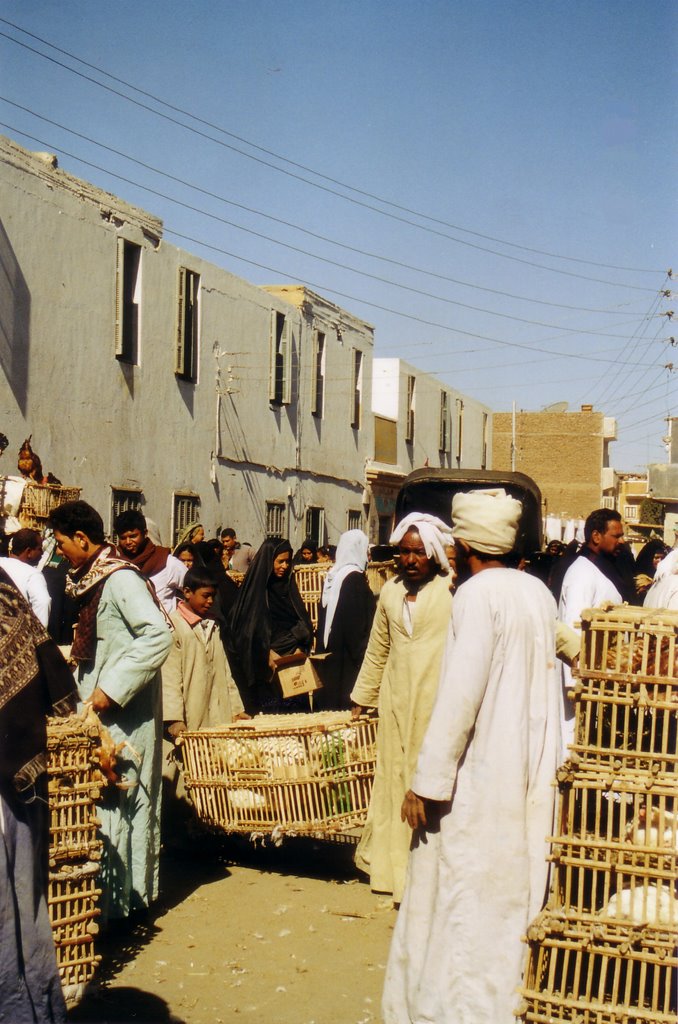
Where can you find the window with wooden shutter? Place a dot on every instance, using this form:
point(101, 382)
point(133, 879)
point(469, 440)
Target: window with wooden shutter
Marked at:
point(318, 382)
point(356, 388)
point(280, 374)
point(460, 430)
point(275, 519)
point(186, 510)
point(127, 301)
point(315, 524)
point(186, 354)
point(444, 442)
point(409, 413)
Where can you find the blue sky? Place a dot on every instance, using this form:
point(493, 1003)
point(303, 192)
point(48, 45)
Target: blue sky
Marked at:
point(491, 184)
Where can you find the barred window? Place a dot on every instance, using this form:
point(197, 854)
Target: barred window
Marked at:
point(630, 511)
point(124, 501)
point(275, 519)
point(186, 510)
point(354, 519)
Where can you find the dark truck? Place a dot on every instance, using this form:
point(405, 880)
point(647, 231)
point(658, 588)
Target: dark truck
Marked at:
point(432, 490)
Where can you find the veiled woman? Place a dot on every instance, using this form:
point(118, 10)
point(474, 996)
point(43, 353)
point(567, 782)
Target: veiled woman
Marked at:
point(344, 620)
point(268, 620)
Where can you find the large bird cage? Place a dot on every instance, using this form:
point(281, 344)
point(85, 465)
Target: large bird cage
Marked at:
point(604, 948)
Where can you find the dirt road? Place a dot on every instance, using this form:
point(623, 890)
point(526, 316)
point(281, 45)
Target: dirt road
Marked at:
point(273, 936)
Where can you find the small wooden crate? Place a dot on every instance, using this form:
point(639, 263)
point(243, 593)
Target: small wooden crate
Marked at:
point(604, 974)
point(616, 848)
point(72, 902)
point(73, 788)
point(626, 702)
point(294, 774)
point(38, 500)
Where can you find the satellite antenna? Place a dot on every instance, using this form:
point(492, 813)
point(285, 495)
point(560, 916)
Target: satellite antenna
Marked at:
point(556, 407)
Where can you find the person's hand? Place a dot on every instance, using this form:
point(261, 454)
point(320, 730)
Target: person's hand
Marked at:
point(413, 810)
point(272, 661)
point(174, 731)
point(356, 711)
point(242, 717)
point(100, 701)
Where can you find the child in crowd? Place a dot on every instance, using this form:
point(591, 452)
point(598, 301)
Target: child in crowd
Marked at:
point(198, 691)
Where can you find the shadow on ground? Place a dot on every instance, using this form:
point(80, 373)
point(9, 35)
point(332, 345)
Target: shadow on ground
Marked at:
point(182, 871)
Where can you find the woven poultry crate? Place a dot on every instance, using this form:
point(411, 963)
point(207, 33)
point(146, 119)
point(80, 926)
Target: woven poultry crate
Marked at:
point(38, 500)
point(288, 774)
point(602, 974)
point(626, 702)
point(615, 853)
point(310, 580)
point(73, 787)
point(73, 896)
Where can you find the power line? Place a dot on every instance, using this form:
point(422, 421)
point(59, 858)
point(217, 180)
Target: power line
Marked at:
point(290, 224)
point(375, 277)
point(324, 188)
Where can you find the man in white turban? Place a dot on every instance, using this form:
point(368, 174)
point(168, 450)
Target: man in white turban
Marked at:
point(481, 799)
point(399, 675)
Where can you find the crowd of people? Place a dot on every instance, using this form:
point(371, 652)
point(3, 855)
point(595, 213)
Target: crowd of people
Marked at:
point(460, 663)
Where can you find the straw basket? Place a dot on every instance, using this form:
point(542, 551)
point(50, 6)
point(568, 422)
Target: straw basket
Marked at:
point(73, 897)
point(294, 774)
point(378, 573)
point(38, 500)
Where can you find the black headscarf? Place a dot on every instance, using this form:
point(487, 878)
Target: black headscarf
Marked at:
point(645, 559)
point(268, 614)
point(308, 545)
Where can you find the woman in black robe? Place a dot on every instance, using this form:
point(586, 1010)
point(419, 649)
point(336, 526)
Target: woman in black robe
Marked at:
point(268, 619)
point(344, 621)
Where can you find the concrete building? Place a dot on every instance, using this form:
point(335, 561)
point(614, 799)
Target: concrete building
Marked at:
point(154, 379)
point(565, 453)
point(419, 421)
point(663, 482)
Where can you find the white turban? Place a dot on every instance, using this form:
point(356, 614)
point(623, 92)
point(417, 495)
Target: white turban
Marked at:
point(486, 519)
point(435, 534)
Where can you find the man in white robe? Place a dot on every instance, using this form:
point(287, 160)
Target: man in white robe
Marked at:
point(481, 799)
point(591, 580)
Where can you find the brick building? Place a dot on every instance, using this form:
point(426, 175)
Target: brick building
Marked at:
point(566, 453)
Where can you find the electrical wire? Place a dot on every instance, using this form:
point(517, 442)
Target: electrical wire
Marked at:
point(324, 188)
point(290, 224)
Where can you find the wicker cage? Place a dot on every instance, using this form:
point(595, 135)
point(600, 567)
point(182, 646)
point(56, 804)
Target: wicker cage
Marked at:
point(74, 850)
point(616, 849)
point(310, 580)
point(607, 974)
point(604, 949)
point(73, 898)
point(378, 573)
point(38, 500)
point(73, 787)
point(305, 773)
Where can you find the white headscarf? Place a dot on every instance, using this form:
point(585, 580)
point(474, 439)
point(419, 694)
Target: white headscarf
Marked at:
point(668, 565)
point(486, 519)
point(434, 533)
point(351, 557)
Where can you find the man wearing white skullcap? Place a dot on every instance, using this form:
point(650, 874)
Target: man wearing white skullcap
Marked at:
point(399, 675)
point(481, 800)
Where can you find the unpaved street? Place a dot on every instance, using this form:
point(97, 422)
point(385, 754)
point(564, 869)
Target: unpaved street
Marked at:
point(277, 936)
